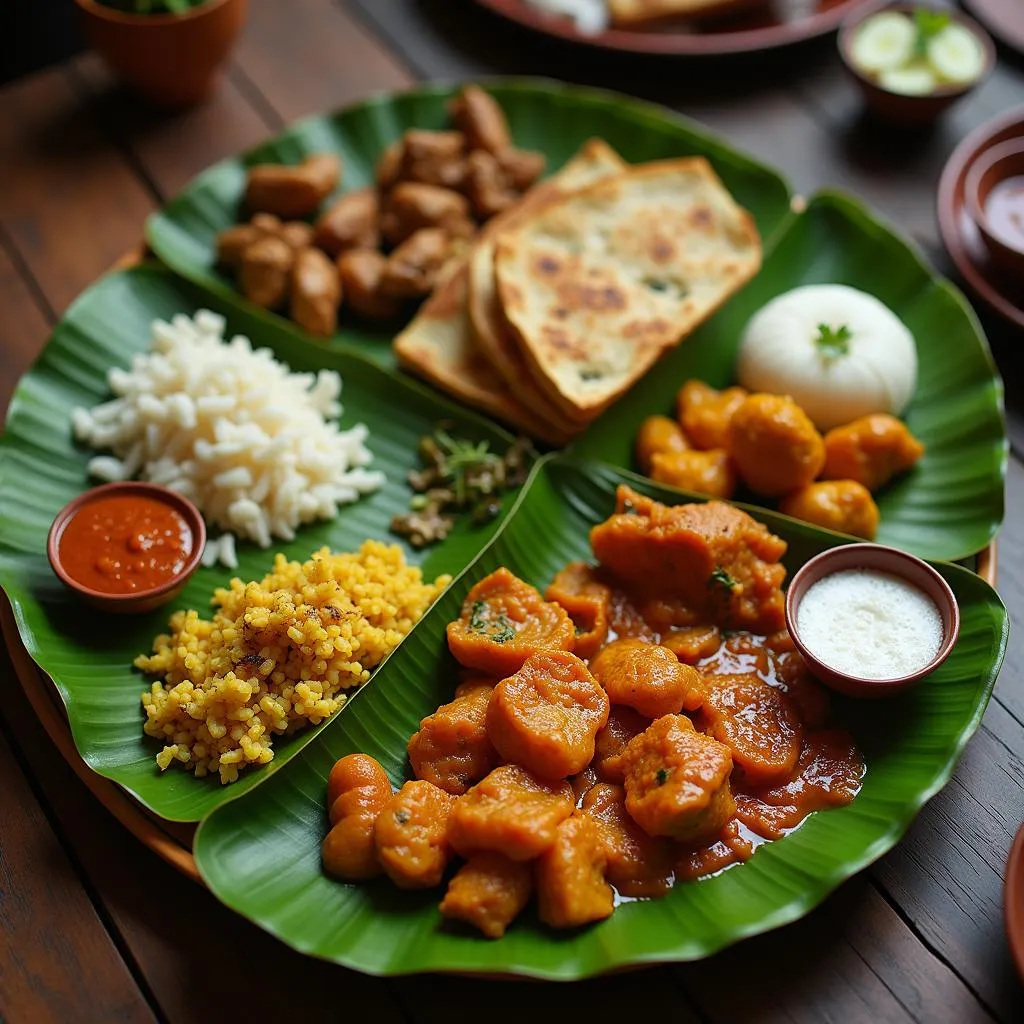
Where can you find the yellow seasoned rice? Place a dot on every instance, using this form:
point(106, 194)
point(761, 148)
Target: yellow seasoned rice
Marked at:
point(278, 654)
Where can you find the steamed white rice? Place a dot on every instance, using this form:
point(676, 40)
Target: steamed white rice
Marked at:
point(230, 427)
point(590, 16)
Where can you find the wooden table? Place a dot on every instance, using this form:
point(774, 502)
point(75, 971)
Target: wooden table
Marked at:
point(94, 927)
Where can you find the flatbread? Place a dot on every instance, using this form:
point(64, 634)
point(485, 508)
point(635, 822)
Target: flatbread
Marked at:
point(598, 285)
point(595, 160)
point(438, 346)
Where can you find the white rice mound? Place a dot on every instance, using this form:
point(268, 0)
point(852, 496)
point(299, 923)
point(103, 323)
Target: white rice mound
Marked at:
point(231, 428)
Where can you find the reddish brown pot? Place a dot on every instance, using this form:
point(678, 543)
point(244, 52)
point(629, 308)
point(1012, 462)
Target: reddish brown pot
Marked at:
point(171, 59)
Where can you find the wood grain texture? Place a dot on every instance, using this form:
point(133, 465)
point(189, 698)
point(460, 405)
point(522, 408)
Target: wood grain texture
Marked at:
point(57, 962)
point(23, 326)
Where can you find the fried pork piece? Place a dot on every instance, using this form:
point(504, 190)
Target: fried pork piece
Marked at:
point(583, 782)
point(510, 812)
point(486, 185)
point(677, 781)
point(361, 271)
point(637, 864)
point(793, 677)
point(413, 268)
point(713, 558)
point(691, 643)
point(571, 887)
point(623, 724)
point(315, 293)
point(351, 223)
point(710, 472)
point(451, 748)
point(648, 678)
point(871, 450)
point(546, 715)
point(389, 166)
point(265, 271)
point(292, 191)
point(842, 505)
point(522, 167)
point(357, 790)
point(579, 589)
point(488, 892)
point(411, 835)
point(480, 119)
point(757, 722)
point(775, 445)
point(658, 435)
point(503, 622)
point(734, 844)
point(828, 774)
point(411, 205)
point(433, 158)
point(705, 413)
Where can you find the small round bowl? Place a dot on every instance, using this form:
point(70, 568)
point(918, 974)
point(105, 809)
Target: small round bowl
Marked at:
point(1013, 900)
point(894, 106)
point(993, 166)
point(883, 559)
point(141, 600)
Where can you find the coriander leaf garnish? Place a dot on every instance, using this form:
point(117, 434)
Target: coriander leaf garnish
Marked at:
point(662, 776)
point(498, 628)
point(833, 342)
point(720, 578)
point(928, 24)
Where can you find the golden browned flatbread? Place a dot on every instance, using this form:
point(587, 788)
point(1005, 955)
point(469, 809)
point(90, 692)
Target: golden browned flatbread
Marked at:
point(438, 346)
point(595, 160)
point(598, 285)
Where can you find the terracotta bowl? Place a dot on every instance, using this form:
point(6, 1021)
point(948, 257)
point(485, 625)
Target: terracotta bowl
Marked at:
point(893, 106)
point(172, 60)
point(993, 166)
point(1013, 900)
point(883, 559)
point(141, 600)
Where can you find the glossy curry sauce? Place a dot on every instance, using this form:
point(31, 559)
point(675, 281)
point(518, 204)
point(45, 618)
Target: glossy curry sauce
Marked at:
point(125, 544)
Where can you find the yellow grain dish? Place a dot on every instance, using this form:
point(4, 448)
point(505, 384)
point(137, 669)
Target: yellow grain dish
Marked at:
point(278, 654)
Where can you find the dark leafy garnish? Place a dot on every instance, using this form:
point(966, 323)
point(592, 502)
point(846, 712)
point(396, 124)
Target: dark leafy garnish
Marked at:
point(720, 578)
point(496, 628)
point(833, 342)
point(662, 776)
point(401, 816)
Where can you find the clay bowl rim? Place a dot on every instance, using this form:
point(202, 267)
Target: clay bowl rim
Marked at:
point(1013, 900)
point(884, 559)
point(976, 170)
point(118, 17)
point(950, 91)
point(124, 602)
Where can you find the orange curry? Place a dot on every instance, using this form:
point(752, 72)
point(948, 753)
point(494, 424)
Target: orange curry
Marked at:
point(646, 721)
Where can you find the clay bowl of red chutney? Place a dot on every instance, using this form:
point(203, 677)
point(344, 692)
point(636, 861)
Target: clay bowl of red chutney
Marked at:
point(128, 547)
point(870, 620)
point(994, 194)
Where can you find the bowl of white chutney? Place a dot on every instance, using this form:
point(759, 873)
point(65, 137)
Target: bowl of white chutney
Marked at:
point(871, 620)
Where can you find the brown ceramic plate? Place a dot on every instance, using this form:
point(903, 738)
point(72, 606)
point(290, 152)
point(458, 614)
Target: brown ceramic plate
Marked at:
point(1013, 900)
point(959, 233)
point(762, 27)
point(1003, 18)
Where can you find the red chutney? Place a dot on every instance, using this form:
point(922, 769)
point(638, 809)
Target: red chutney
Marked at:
point(125, 544)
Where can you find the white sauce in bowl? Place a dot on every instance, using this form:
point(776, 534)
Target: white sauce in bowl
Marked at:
point(870, 624)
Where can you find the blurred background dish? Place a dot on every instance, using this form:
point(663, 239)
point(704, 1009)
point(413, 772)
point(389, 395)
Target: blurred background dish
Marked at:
point(1013, 900)
point(1003, 18)
point(739, 28)
point(960, 234)
point(994, 190)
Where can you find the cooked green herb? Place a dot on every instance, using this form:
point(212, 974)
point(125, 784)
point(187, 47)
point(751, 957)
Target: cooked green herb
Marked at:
point(928, 24)
point(720, 578)
point(401, 816)
point(833, 342)
point(498, 629)
point(629, 509)
point(663, 774)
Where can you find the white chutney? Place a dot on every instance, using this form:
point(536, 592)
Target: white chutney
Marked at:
point(871, 624)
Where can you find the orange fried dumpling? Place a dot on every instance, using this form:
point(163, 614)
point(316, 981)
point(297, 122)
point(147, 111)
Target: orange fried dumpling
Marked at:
point(871, 450)
point(546, 715)
point(658, 435)
point(842, 505)
point(637, 864)
point(503, 622)
point(677, 780)
point(705, 472)
point(716, 559)
point(451, 749)
point(705, 413)
point(357, 790)
point(411, 835)
point(691, 643)
point(580, 591)
point(775, 445)
point(623, 724)
point(571, 887)
point(757, 722)
point(510, 812)
point(488, 891)
point(647, 678)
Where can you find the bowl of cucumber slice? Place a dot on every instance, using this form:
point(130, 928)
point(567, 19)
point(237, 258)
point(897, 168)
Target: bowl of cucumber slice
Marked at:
point(912, 61)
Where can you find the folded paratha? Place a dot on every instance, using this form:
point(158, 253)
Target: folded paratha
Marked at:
point(595, 160)
point(598, 285)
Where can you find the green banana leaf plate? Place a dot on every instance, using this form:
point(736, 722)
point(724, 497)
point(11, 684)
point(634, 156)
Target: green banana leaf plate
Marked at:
point(548, 116)
point(261, 854)
point(89, 655)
